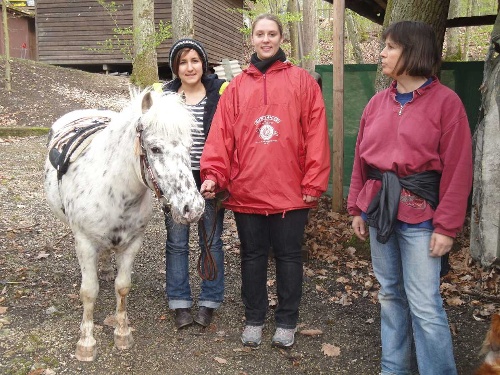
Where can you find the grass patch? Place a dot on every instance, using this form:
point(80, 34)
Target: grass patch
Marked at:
point(362, 247)
point(19, 366)
point(22, 132)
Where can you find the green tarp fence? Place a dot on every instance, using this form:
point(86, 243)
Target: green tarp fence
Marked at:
point(464, 78)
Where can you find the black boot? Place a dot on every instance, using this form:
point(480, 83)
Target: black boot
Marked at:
point(204, 316)
point(183, 318)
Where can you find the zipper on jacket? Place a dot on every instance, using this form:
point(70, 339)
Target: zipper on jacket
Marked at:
point(401, 106)
point(265, 88)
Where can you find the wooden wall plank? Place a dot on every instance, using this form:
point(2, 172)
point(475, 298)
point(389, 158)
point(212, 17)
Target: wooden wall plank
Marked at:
point(67, 28)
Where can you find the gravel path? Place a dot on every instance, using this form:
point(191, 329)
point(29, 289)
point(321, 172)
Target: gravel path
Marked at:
point(39, 283)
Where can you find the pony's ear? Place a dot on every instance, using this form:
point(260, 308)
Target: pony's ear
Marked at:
point(147, 102)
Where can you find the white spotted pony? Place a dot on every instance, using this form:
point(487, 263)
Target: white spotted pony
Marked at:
point(103, 190)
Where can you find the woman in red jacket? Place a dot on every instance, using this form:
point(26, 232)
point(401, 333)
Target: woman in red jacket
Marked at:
point(269, 149)
point(410, 183)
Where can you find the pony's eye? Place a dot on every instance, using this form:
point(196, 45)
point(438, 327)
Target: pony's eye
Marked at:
point(155, 150)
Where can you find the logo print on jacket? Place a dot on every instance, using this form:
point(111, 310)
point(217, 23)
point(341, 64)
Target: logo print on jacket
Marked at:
point(265, 128)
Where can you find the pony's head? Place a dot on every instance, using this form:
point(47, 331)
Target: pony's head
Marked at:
point(164, 134)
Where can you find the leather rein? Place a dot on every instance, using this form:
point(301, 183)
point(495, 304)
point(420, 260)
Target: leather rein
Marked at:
point(206, 266)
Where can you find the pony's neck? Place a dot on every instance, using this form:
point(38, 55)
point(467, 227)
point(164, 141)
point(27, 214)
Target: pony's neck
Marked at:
point(120, 144)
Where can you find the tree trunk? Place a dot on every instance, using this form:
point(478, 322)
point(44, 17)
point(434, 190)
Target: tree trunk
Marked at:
point(471, 9)
point(145, 66)
point(310, 32)
point(352, 34)
point(453, 48)
point(433, 12)
point(293, 30)
point(7, 76)
point(485, 213)
point(182, 19)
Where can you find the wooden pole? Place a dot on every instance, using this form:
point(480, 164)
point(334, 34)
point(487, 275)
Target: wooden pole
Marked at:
point(338, 105)
point(7, 78)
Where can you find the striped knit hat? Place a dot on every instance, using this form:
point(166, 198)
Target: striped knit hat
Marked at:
point(188, 43)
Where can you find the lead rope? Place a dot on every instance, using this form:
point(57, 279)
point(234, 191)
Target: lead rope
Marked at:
point(207, 267)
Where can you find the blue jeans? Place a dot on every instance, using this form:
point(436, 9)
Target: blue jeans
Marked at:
point(414, 326)
point(284, 233)
point(177, 260)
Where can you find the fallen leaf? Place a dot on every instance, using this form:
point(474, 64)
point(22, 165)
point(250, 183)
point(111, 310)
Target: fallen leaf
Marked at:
point(330, 350)
point(3, 309)
point(311, 332)
point(271, 282)
point(319, 288)
point(351, 251)
point(110, 320)
point(220, 360)
point(454, 301)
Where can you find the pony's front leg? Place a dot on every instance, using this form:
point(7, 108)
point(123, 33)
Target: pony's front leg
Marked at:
point(87, 257)
point(124, 262)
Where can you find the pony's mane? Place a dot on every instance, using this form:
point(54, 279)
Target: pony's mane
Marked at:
point(168, 115)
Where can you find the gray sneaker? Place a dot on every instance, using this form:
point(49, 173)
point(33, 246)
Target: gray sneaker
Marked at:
point(252, 336)
point(284, 337)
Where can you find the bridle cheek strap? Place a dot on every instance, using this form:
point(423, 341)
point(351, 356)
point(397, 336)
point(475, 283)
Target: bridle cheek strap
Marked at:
point(145, 166)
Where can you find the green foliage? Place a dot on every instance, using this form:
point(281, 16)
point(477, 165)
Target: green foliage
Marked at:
point(456, 56)
point(22, 131)
point(362, 247)
point(19, 366)
point(252, 9)
point(122, 39)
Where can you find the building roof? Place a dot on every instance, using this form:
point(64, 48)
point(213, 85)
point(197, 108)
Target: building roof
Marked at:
point(374, 10)
point(20, 11)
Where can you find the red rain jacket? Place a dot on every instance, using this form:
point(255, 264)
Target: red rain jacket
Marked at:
point(268, 144)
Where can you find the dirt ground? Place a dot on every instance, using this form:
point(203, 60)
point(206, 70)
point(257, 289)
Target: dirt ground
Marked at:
point(40, 309)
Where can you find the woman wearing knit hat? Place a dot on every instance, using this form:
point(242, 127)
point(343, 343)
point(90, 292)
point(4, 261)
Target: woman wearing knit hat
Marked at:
point(189, 62)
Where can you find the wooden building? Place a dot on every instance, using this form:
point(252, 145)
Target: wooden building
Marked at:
point(69, 30)
point(22, 36)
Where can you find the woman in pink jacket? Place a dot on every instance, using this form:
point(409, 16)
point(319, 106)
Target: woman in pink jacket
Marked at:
point(410, 183)
point(268, 147)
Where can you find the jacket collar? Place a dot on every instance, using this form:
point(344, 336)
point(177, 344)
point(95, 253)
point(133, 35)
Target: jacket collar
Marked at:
point(278, 65)
point(418, 92)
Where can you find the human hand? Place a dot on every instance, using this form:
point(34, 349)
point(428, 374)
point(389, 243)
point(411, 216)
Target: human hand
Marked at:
point(358, 224)
point(440, 244)
point(309, 198)
point(207, 189)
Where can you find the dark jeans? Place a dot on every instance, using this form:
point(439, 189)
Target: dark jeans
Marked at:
point(284, 233)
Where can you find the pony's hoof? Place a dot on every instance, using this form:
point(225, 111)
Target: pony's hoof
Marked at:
point(124, 341)
point(85, 353)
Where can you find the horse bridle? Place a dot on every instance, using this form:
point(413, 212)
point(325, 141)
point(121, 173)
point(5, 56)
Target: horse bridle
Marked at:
point(145, 166)
point(207, 269)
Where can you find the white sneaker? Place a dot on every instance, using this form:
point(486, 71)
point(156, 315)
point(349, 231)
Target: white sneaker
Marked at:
point(252, 336)
point(284, 337)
